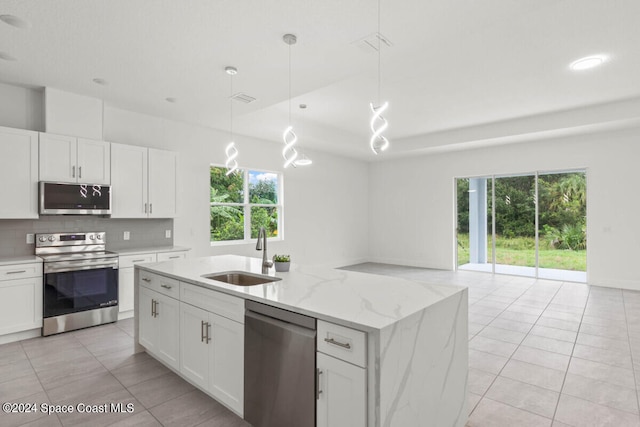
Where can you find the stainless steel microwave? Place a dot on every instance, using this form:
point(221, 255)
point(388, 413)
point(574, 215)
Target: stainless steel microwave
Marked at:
point(74, 199)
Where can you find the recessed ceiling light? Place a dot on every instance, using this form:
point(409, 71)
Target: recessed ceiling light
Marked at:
point(171, 100)
point(100, 81)
point(7, 57)
point(587, 62)
point(15, 21)
point(303, 106)
point(232, 71)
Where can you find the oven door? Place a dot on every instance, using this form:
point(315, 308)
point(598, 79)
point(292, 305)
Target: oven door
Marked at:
point(74, 286)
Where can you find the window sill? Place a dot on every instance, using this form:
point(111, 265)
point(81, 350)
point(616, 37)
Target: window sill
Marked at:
point(243, 242)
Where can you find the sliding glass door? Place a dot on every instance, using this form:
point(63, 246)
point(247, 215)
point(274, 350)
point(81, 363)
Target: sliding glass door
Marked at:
point(528, 225)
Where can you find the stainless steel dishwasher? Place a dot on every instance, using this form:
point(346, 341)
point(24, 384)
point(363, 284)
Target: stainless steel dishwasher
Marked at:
point(279, 367)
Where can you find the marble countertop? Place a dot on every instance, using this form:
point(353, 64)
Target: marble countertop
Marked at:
point(137, 251)
point(362, 301)
point(19, 260)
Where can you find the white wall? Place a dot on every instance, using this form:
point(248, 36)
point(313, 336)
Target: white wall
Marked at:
point(325, 205)
point(412, 201)
point(21, 108)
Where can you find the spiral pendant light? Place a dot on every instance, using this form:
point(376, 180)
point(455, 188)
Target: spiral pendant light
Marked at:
point(231, 150)
point(289, 137)
point(378, 124)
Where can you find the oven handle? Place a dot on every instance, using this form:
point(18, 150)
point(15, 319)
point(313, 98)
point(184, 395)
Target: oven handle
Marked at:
point(63, 266)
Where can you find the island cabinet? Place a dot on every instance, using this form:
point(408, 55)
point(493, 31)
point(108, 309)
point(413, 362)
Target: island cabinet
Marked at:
point(212, 346)
point(159, 317)
point(70, 159)
point(341, 376)
point(19, 173)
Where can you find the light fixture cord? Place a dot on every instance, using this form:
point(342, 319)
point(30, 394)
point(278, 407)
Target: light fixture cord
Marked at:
point(231, 105)
point(289, 83)
point(379, 47)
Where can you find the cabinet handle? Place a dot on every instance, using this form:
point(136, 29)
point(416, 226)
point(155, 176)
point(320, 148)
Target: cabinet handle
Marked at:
point(318, 391)
point(157, 304)
point(138, 260)
point(165, 286)
point(174, 257)
point(150, 208)
point(146, 279)
point(153, 308)
point(79, 171)
point(339, 344)
point(16, 272)
point(145, 208)
point(202, 335)
point(208, 332)
point(73, 171)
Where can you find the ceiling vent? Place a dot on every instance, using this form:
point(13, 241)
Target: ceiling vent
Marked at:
point(370, 43)
point(243, 97)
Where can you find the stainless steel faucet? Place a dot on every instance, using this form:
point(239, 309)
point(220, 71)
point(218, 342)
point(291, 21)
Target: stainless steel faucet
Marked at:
point(262, 246)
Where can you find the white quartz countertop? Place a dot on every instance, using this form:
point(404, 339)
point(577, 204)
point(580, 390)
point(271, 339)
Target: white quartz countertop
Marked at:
point(27, 259)
point(363, 301)
point(138, 251)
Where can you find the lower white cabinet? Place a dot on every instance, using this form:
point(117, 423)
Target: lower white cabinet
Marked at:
point(212, 354)
point(342, 385)
point(20, 297)
point(159, 330)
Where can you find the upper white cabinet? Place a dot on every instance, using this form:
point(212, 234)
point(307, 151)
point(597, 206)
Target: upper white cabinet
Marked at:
point(18, 173)
point(70, 159)
point(143, 182)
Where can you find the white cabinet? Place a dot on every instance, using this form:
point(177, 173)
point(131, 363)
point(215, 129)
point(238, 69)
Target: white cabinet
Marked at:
point(342, 385)
point(70, 159)
point(143, 182)
point(212, 351)
point(18, 173)
point(20, 297)
point(126, 276)
point(159, 325)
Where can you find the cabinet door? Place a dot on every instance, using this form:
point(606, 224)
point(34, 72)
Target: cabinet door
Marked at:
point(168, 332)
point(128, 181)
point(342, 398)
point(162, 183)
point(94, 161)
point(58, 158)
point(147, 326)
point(18, 173)
point(20, 305)
point(194, 347)
point(125, 289)
point(226, 372)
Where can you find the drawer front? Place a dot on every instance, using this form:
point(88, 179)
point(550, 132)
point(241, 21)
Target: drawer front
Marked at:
point(161, 284)
point(343, 343)
point(125, 261)
point(20, 271)
point(212, 301)
point(168, 256)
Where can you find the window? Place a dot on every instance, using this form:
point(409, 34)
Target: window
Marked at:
point(242, 202)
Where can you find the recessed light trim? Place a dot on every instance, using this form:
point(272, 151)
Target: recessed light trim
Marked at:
point(5, 56)
point(15, 21)
point(171, 99)
point(588, 62)
point(232, 71)
point(100, 81)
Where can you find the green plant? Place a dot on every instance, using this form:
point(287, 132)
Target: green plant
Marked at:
point(282, 258)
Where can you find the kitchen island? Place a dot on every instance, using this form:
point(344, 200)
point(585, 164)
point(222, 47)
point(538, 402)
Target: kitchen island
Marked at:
point(415, 359)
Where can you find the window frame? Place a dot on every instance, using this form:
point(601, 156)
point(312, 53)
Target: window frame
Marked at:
point(247, 205)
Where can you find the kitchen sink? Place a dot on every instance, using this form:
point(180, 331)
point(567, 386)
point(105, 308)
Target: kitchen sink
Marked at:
point(241, 278)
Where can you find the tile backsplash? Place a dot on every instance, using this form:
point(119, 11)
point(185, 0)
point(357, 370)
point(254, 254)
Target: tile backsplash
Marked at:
point(144, 233)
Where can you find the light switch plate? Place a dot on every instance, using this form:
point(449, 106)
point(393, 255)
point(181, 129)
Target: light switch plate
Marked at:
point(30, 239)
point(126, 235)
point(167, 234)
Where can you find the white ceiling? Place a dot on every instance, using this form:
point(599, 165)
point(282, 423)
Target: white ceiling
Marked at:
point(453, 64)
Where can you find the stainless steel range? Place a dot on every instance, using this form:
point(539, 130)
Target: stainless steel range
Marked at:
point(80, 281)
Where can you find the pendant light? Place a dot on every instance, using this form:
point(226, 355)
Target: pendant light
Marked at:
point(231, 150)
point(289, 153)
point(378, 124)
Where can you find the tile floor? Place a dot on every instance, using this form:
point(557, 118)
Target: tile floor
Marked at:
point(541, 353)
point(545, 353)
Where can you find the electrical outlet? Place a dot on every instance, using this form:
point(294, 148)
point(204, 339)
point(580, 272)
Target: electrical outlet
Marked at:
point(126, 235)
point(30, 239)
point(167, 234)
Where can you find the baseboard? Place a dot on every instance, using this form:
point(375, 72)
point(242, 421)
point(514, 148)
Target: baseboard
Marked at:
point(19, 336)
point(125, 315)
